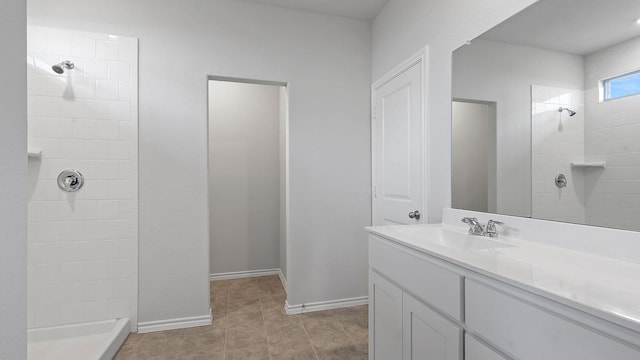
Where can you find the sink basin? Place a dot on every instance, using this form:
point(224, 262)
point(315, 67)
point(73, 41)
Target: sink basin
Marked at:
point(448, 238)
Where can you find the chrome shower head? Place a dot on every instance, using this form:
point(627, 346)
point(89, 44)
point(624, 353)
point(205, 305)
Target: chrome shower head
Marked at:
point(571, 112)
point(59, 68)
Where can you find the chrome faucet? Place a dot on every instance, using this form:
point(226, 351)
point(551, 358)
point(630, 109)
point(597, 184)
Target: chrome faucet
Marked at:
point(490, 230)
point(475, 228)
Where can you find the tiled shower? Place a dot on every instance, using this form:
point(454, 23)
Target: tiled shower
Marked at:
point(82, 246)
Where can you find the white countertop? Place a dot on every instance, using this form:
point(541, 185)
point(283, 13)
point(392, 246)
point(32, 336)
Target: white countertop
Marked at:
point(604, 287)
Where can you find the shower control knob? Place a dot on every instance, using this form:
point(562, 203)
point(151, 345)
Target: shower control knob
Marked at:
point(70, 180)
point(414, 215)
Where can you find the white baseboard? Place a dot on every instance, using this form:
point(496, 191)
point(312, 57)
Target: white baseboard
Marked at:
point(172, 324)
point(243, 274)
point(325, 305)
point(283, 280)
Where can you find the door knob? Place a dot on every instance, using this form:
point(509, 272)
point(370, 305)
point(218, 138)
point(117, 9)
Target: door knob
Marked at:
point(414, 215)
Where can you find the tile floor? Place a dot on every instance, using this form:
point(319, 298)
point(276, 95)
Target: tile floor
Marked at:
point(250, 324)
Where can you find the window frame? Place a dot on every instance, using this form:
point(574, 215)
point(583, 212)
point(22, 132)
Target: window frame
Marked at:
point(605, 88)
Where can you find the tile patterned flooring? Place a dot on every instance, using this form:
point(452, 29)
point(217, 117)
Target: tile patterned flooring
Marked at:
point(250, 324)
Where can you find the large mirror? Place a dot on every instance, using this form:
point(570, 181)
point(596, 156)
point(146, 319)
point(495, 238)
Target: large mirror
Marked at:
point(546, 115)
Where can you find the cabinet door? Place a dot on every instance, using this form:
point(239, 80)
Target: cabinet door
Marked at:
point(427, 335)
point(385, 319)
point(475, 350)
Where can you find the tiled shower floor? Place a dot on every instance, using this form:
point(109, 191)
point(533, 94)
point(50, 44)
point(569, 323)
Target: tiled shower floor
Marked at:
point(250, 323)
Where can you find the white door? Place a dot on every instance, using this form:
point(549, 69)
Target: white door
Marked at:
point(398, 149)
point(428, 335)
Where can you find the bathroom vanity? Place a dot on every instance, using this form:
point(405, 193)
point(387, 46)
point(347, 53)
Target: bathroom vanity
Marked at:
point(437, 292)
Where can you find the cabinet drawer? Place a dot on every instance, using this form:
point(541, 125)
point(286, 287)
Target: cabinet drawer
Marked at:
point(411, 270)
point(525, 331)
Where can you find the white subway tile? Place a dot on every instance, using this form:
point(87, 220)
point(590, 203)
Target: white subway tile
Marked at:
point(107, 90)
point(38, 211)
point(108, 130)
point(59, 43)
point(96, 109)
point(37, 254)
point(108, 209)
point(119, 189)
point(37, 85)
point(95, 189)
point(96, 69)
point(119, 71)
point(118, 268)
point(96, 270)
point(71, 313)
point(84, 129)
point(119, 229)
point(119, 150)
point(109, 249)
point(37, 127)
point(125, 51)
point(124, 90)
point(73, 230)
point(59, 128)
point(95, 310)
point(71, 108)
point(97, 149)
point(45, 106)
point(118, 110)
point(37, 40)
point(71, 271)
point(108, 169)
point(97, 230)
point(118, 308)
point(60, 252)
point(84, 88)
point(107, 50)
point(83, 47)
point(71, 149)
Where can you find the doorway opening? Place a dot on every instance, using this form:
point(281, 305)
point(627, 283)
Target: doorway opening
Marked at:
point(473, 155)
point(247, 178)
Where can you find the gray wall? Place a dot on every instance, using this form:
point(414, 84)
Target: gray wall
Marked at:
point(470, 127)
point(404, 27)
point(325, 60)
point(503, 73)
point(244, 176)
point(13, 172)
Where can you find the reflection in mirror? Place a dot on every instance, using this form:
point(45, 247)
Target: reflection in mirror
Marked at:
point(552, 90)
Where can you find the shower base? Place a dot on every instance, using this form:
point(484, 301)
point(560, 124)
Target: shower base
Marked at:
point(89, 341)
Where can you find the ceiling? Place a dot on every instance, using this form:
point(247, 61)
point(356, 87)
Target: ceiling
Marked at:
point(359, 9)
point(572, 26)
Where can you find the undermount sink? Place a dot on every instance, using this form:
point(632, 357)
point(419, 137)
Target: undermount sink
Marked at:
point(451, 239)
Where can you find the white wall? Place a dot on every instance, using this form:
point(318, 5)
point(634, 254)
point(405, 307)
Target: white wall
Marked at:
point(470, 155)
point(326, 61)
point(405, 26)
point(83, 246)
point(244, 176)
point(613, 135)
point(13, 165)
point(503, 73)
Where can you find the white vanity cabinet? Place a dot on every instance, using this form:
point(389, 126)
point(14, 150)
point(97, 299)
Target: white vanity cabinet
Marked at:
point(424, 307)
point(403, 326)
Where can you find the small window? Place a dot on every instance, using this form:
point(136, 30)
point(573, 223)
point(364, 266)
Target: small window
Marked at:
point(621, 86)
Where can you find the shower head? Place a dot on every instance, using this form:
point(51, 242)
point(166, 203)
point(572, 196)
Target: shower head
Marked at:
point(59, 68)
point(571, 112)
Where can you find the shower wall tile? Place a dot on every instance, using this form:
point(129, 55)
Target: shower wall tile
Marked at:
point(557, 140)
point(82, 247)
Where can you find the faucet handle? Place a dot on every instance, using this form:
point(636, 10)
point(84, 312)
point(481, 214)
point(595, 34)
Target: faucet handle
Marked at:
point(491, 230)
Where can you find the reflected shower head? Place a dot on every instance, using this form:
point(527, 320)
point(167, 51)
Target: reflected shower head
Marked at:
point(59, 68)
point(571, 112)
